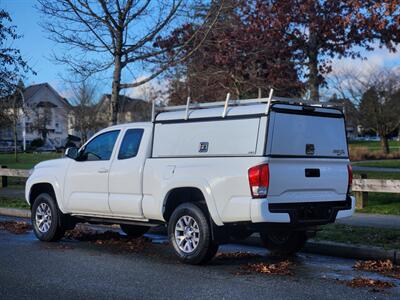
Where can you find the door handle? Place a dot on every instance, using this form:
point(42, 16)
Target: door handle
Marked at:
point(103, 170)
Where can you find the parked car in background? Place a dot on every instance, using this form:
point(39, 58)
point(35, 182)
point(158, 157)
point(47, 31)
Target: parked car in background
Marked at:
point(213, 175)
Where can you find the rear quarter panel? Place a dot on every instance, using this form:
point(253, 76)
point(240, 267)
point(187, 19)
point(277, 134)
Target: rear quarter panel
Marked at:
point(223, 181)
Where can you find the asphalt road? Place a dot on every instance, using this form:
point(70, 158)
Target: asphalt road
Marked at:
point(84, 270)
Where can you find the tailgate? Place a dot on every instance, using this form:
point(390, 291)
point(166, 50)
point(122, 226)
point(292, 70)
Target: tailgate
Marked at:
point(298, 180)
point(308, 155)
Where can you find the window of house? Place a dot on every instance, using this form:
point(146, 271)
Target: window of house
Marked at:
point(130, 144)
point(100, 148)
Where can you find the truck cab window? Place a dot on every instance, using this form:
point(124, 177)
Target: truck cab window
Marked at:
point(100, 148)
point(130, 144)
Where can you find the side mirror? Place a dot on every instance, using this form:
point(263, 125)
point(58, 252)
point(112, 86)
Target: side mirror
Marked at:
point(71, 152)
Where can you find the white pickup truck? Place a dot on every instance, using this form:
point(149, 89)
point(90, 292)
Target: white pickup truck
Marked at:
point(213, 173)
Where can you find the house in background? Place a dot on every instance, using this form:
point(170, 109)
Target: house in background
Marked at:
point(130, 110)
point(50, 117)
point(46, 116)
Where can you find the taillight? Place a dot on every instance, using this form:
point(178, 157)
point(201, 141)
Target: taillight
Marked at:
point(350, 178)
point(259, 181)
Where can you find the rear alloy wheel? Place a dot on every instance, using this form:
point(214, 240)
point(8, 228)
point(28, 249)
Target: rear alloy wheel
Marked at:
point(134, 231)
point(46, 219)
point(190, 234)
point(283, 242)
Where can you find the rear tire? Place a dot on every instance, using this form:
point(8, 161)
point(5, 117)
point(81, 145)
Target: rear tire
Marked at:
point(47, 218)
point(283, 242)
point(134, 231)
point(189, 232)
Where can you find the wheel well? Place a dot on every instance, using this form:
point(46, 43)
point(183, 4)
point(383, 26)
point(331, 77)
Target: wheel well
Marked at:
point(39, 188)
point(181, 195)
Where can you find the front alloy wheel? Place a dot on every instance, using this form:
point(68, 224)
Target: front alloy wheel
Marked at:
point(43, 217)
point(47, 219)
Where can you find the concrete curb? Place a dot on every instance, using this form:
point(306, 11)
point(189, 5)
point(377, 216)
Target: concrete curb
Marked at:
point(15, 212)
point(339, 250)
point(312, 246)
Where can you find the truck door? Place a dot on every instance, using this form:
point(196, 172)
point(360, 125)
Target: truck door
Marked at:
point(86, 182)
point(126, 175)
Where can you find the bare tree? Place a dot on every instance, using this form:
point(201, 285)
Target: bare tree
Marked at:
point(116, 34)
point(377, 95)
point(85, 119)
point(11, 108)
point(42, 118)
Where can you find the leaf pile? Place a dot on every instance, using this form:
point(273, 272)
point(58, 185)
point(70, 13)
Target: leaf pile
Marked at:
point(108, 238)
point(16, 227)
point(360, 282)
point(280, 268)
point(236, 255)
point(385, 267)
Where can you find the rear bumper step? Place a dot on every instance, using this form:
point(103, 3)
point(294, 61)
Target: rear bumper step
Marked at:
point(311, 213)
point(303, 214)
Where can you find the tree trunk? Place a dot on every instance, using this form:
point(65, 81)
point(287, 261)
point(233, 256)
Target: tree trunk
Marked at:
point(313, 79)
point(116, 87)
point(385, 144)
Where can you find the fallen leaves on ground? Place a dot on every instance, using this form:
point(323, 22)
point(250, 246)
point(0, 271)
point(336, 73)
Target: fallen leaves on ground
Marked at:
point(16, 227)
point(360, 282)
point(236, 255)
point(280, 268)
point(385, 267)
point(108, 238)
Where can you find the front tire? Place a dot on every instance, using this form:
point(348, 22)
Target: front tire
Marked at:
point(46, 219)
point(189, 232)
point(283, 242)
point(134, 231)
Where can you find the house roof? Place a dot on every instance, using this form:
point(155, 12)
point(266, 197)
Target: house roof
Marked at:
point(31, 90)
point(126, 103)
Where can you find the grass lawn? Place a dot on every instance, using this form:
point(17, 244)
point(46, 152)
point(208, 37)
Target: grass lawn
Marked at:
point(26, 160)
point(371, 236)
point(13, 203)
point(395, 163)
point(382, 203)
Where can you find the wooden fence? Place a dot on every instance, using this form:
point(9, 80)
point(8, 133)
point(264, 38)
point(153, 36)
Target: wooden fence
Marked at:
point(361, 186)
point(5, 173)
